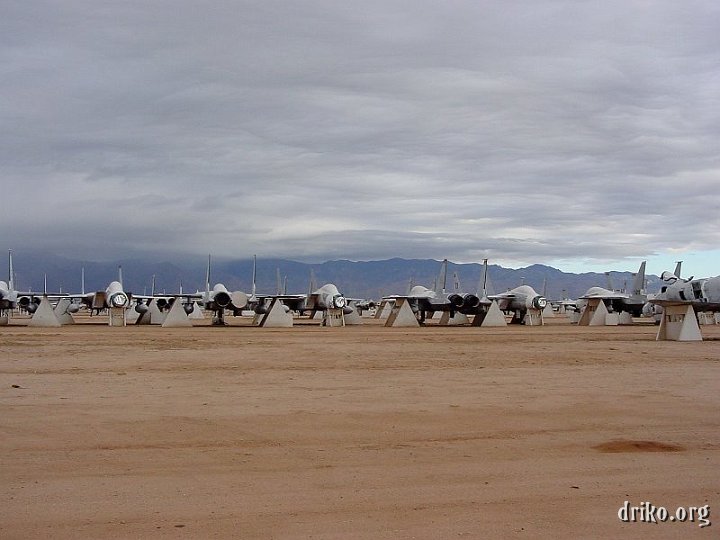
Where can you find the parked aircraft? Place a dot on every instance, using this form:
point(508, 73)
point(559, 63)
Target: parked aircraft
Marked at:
point(318, 298)
point(619, 301)
point(218, 299)
point(8, 294)
point(25, 300)
point(424, 302)
point(655, 310)
point(518, 301)
point(702, 294)
point(113, 296)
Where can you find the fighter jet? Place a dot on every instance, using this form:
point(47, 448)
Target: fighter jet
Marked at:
point(519, 301)
point(8, 294)
point(424, 301)
point(317, 299)
point(619, 301)
point(217, 299)
point(113, 296)
point(702, 294)
point(28, 301)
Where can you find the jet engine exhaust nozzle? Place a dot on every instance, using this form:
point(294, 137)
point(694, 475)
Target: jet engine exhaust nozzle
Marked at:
point(118, 300)
point(222, 299)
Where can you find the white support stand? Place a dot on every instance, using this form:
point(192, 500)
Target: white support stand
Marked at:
point(333, 317)
point(196, 314)
point(492, 317)
point(156, 316)
point(353, 318)
point(4, 320)
point(132, 316)
point(574, 317)
point(717, 317)
point(612, 319)
point(401, 315)
point(275, 316)
point(44, 316)
point(625, 318)
point(61, 311)
point(679, 323)
point(116, 316)
point(456, 320)
point(176, 317)
point(385, 309)
point(548, 311)
point(317, 315)
point(594, 313)
point(533, 317)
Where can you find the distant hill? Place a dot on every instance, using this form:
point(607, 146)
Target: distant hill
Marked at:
point(362, 279)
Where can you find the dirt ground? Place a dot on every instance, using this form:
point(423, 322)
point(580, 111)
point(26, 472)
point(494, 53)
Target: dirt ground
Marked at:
point(357, 432)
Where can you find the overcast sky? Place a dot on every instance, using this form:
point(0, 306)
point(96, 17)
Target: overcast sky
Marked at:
point(585, 135)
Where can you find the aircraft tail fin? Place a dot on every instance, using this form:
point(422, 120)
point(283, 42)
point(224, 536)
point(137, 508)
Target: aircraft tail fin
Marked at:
point(44, 284)
point(411, 282)
point(11, 272)
point(254, 277)
point(544, 288)
point(120, 276)
point(442, 277)
point(278, 279)
point(678, 268)
point(456, 283)
point(82, 281)
point(152, 286)
point(313, 283)
point(639, 282)
point(485, 288)
point(207, 278)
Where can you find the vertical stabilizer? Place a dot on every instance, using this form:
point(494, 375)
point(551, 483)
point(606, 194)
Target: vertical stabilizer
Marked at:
point(11, 272)
point(254, 277)
point(152, 286)
point(278, 286)
point(678, 269)
point(82, 281)
point(410, 285)
point(44, 284)
point(639, 282)
point(207, 279)
point(313, 283)
point(456, 283)
point(544, 288)
point(485, 288)
point(442, 277)
point(120, 277)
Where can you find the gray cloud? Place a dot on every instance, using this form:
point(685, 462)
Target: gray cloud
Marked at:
point(524, 131)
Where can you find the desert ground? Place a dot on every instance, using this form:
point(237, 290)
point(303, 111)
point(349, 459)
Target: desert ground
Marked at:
point(356, 432)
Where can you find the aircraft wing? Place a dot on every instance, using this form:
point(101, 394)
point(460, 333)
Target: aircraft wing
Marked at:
point(606, 296)
point(697, 305)
point(293, 301)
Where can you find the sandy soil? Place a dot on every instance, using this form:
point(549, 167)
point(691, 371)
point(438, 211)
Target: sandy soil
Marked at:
point(358, 432)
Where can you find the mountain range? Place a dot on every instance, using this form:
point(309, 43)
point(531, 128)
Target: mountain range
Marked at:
point(358, 279)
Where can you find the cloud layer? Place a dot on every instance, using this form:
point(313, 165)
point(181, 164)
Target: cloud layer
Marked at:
point(525, 131)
